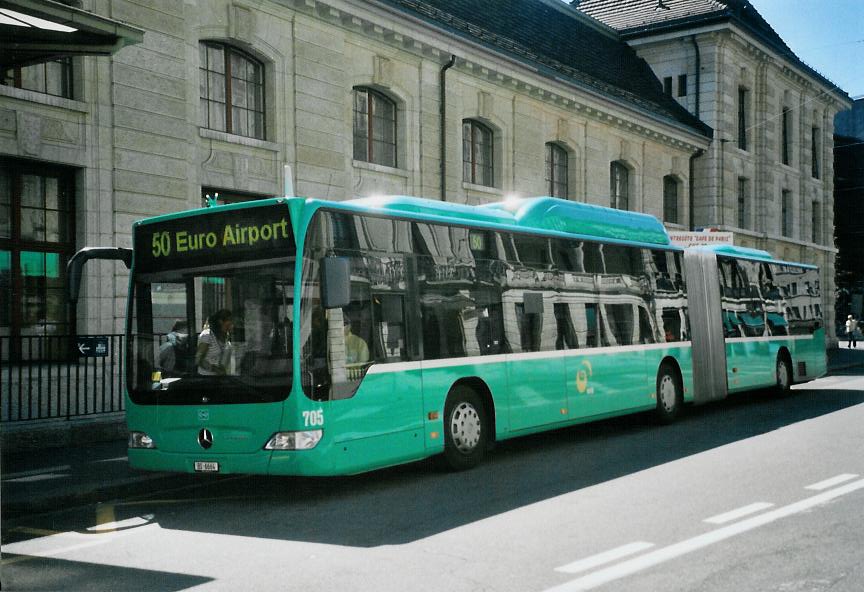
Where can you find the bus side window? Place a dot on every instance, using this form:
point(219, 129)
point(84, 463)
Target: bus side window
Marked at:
point(566, 338)
point(489, 312)
point(388, 334)
point(646, 329)
point(591, 319)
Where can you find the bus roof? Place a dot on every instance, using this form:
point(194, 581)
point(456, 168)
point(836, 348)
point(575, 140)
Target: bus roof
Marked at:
point(753, 254)
point(531, 214)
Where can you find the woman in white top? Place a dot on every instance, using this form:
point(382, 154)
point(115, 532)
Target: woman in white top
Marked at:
point(214, 344)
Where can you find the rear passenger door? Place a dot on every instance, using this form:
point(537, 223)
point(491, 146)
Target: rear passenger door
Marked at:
point(535, 368)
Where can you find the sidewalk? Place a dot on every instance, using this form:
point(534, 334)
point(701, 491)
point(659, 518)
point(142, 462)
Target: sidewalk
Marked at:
point(843, 357)
point(43, 480)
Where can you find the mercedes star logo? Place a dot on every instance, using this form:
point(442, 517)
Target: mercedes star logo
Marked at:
point(205, 438)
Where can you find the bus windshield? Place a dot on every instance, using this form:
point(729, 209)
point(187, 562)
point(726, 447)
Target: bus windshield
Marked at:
point(211, 317)
point(223, 335)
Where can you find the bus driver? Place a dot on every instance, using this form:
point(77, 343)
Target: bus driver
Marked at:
point(213, 356)
point(356, 349)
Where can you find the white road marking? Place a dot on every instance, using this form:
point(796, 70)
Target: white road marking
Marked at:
point(637, 564)
point(40, 477)
point(831, 482)
point(10, 476)
point(603, 558)
point(739, 513)
point(119, 458)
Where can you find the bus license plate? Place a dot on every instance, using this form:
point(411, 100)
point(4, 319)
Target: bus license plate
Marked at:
point(202, 466)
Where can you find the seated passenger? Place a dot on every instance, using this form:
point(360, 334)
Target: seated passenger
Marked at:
point(356, 349)
point(172, 353)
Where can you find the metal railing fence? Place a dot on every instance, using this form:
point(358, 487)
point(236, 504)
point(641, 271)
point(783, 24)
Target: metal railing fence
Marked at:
point(44, 377)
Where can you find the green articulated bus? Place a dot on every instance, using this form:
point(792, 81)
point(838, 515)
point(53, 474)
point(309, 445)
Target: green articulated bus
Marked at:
point(296, 336)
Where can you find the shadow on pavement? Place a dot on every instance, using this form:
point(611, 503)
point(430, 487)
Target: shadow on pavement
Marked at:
point(24, 572)
point(411, 502)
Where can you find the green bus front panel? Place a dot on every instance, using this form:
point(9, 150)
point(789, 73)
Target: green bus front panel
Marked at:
point(239, 433)
point(380, 425)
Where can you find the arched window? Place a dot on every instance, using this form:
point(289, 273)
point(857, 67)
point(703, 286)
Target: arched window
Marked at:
point(374, 127)
point(619, 185)
point(231, 90)
point(477, 154)
point(556, 170)
point(670, 199)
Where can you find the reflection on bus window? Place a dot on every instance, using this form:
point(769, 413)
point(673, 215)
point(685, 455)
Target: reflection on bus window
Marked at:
point(768, 299)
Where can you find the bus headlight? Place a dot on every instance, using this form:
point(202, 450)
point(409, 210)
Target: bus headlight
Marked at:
point(140, 440)
point(294, 440)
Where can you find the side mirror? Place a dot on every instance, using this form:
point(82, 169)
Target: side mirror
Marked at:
point(76, 265)
point(335, 282)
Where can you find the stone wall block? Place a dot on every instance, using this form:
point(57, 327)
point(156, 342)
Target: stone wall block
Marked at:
point(29, 133)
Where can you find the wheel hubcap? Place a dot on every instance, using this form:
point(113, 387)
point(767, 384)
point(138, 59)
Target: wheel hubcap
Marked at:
point(782, 375)
point(668, 394)
point(465, 427)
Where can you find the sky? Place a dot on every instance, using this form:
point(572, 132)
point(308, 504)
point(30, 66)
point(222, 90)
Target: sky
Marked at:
point(827, 35)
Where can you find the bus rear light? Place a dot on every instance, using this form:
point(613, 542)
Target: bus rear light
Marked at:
point(305, 440)
point(140, 440)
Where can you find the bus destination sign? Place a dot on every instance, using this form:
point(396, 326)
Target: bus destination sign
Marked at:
point(223, 237)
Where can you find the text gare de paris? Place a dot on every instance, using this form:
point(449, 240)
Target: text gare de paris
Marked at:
point(183, 241)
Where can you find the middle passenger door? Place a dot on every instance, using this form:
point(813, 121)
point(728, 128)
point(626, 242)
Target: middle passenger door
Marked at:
point(535, 368)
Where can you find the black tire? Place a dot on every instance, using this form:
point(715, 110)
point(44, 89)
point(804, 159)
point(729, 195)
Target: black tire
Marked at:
point(670, 396)
point(783, 375)
point(465, 430)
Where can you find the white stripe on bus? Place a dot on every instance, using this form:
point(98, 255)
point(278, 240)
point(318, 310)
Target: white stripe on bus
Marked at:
point(771, 338)
point(520, 357)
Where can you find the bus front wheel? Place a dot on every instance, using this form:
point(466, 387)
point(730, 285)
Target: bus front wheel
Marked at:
point(669, 394)
point(465, 430)
point(784, 375)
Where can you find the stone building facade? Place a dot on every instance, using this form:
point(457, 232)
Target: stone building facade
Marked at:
point(221, 94)
point(768, 173)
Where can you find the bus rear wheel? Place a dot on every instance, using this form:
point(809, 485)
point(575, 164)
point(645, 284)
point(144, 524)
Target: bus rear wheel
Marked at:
point(465, 430)
point(669, 394)
point(784, 375)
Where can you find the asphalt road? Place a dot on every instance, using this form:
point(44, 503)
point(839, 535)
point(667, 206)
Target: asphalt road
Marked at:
point(753, 493)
